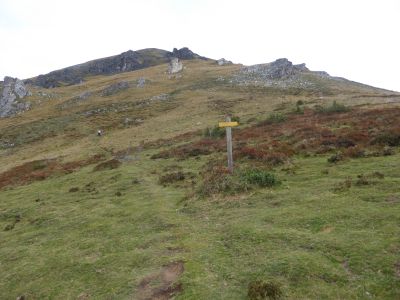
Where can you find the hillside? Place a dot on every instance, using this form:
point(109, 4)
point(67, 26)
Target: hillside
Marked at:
point(148, 209)
point(124, 62)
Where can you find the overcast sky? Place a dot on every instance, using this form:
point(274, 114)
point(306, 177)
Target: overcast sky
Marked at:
point(355, 39)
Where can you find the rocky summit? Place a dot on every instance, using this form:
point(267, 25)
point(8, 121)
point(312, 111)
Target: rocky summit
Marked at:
point(13, 92)
point(124, 62)
point(280, 69)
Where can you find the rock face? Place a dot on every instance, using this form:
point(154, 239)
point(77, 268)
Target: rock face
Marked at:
point(185, 53)
point(280, 74)
point(14, 91)
point(223, 62)
point(124, 62)
point(175, 66)
point(280, 69)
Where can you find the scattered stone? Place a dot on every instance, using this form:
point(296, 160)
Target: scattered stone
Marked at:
point(161, 97)
point(175, 66)
point(75, 100)
point(115, 88)
point(223, 62)
point(141, 82)
point(11, 102)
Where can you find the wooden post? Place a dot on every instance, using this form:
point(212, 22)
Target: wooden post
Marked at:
point(229, 145)
point(228, 125)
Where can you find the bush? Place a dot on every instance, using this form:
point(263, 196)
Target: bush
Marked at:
point(260, 178)
point(299, 108)
point(362, 180)
point(387, 151)
point(391, 139)
point(271, 158)
point(276, 118)
point(335, 158)
point(259, 290)
point(172, 177)
point(217, 180)
point(334, 108)
point(355, 152)
point(343, 186)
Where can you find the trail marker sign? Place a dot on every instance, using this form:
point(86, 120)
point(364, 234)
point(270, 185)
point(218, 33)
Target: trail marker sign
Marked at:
point(228, 125)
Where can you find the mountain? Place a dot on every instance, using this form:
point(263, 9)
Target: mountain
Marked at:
point(113, 182)
point(124, 62)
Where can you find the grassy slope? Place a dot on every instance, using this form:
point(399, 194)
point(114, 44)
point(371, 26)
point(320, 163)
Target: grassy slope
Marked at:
point(317, 243)
point(197, 100)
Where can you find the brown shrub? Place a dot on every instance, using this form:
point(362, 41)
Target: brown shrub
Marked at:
point(42, 169)
point(354, 152)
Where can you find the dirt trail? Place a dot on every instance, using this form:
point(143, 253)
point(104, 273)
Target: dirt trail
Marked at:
point(161, 285)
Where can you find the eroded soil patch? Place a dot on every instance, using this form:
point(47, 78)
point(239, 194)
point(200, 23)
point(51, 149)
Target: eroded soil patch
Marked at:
point(163, 284)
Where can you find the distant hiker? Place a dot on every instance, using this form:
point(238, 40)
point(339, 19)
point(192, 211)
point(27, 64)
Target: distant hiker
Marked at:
point(99, 132)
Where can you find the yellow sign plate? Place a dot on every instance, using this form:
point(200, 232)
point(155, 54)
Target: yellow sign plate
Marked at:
point(228, 124)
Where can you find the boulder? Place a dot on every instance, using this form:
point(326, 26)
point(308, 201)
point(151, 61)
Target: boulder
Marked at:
point(13, 92)
point(175, 66)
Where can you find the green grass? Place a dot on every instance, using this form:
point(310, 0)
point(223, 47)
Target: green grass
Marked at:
point(315, 242)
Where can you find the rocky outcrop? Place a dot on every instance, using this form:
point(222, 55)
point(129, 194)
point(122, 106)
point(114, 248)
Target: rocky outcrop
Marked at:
point(11, 102)
point(223, 62)
point(175, 66)
point(281, 73)
point(280, 69)
point(124, 62)
point(186, 53)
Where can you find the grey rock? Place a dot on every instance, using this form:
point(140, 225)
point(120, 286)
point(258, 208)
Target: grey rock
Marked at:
point(223, 62)
point(281, 68)
point(175, 66)
point(75, 100)
point(186, 53)
point(11, 102)
point(115, 88)
point(141, 82)
point(321, 73)
point(161, 97)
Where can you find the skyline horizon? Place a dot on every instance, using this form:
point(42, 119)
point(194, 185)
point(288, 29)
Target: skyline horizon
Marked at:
point(344, 38)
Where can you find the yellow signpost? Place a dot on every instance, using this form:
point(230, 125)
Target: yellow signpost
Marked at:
point(228, 125)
